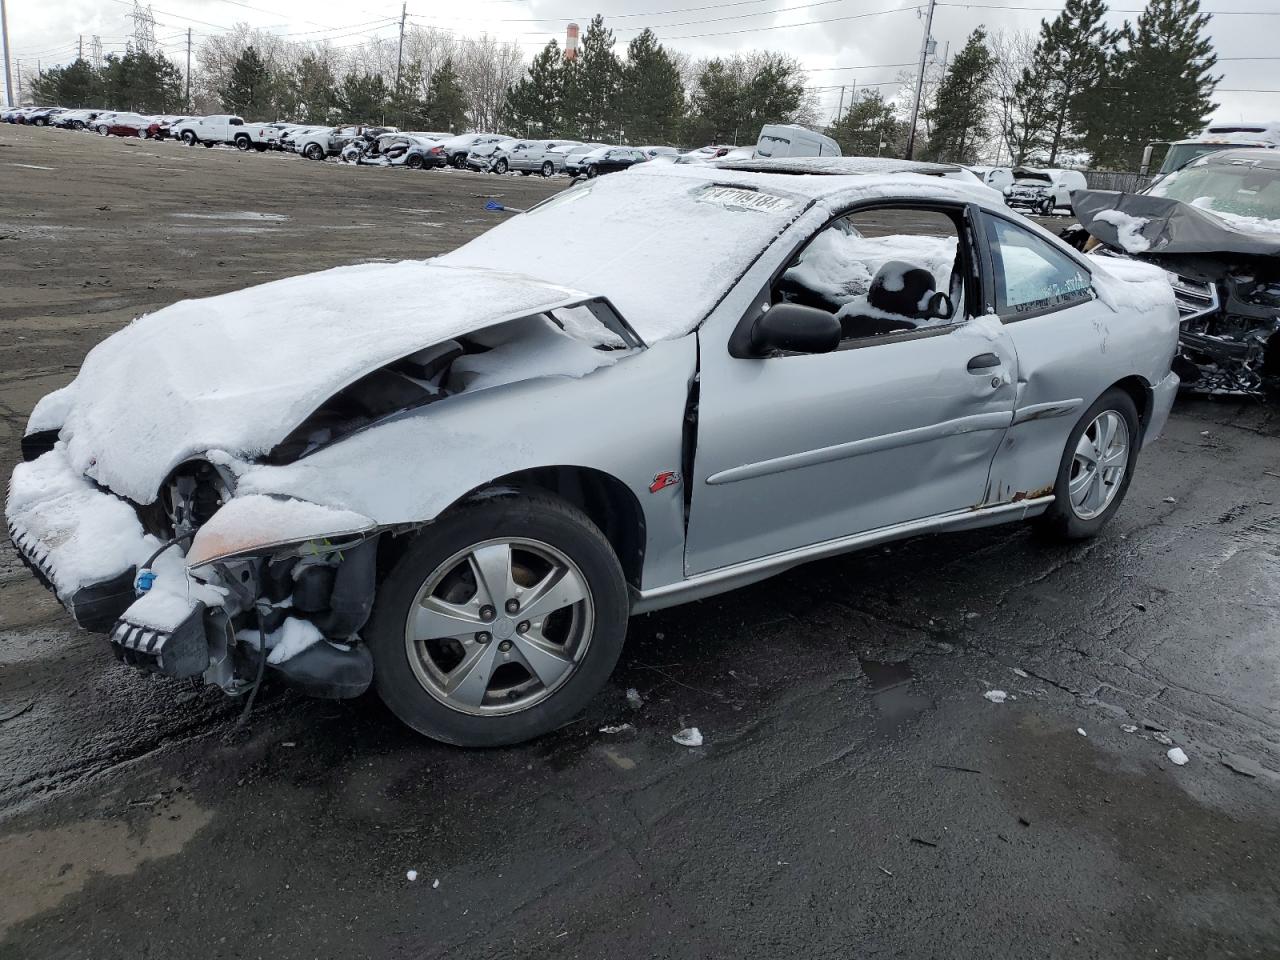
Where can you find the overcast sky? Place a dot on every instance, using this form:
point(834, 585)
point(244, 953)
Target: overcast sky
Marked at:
point(828, 36)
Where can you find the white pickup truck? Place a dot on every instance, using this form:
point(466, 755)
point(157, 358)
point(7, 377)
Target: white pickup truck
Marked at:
point(222, 128)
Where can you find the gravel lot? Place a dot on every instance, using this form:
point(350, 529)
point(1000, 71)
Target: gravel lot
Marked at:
point(856, 796)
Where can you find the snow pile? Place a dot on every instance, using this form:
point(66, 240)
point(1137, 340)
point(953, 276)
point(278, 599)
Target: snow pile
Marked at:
point(688, 737)
point(532, 350)
point(996, 696)
point(1128, 229)
point(644, 239)
point(840, 266)
point(238, 371)
point(89, 535)
point(287, 641)
point(1178, 756)
point(1124, 284)
point(159, 609)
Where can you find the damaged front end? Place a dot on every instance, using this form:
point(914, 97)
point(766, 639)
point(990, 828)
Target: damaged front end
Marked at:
point(1226, 283)
point(198, 585)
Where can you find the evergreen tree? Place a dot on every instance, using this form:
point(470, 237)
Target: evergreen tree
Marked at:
point(361, 98)
point(75, 85)
point(598, 75)
point(533, 103)
point(961, 108)
point(148, 83)
point(869, 121)
point(1069, 62)
point(407, 107)
point(446, 100)
point(651, 96)
point(1158, 85)
point(732, 98)
point(249, 88)
point(309, 87)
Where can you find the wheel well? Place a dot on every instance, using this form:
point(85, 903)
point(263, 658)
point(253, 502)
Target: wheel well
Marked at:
point(1142, 395)
point(604, 498)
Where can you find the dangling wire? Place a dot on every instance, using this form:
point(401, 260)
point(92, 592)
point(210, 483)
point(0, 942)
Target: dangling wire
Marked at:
point(262, 669)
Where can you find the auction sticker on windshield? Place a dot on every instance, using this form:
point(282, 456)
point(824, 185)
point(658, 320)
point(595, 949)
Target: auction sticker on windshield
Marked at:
point(736, 198)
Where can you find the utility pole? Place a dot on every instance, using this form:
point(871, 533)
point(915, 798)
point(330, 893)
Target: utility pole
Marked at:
point(4, 38)
point(924, 54)
point(19, 80)
point(839, 106)
point(80, 48)
point(188, 69)
point(404, 9)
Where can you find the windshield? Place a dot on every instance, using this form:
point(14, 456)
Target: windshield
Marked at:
point(1239, 188)
point(663, 246)
point(1180, 154)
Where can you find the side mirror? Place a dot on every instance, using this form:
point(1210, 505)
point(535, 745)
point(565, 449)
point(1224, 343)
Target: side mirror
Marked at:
point(940, 307)
point(792, 327)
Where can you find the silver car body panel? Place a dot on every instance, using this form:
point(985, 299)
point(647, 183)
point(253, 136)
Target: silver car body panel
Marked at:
point(794, 457)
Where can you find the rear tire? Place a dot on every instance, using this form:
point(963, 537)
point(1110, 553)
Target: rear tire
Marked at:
point(242, 144)
point(1087, 492)
point(189, 138)
point(418, 677)
point(414, 162)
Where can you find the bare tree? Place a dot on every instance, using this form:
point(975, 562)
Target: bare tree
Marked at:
point(1020, 112)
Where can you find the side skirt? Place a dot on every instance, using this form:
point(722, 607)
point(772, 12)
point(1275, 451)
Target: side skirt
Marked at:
point(737, 575)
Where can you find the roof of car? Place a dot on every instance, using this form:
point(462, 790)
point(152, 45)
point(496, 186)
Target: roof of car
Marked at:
point(838, 166)
point(1266, 157)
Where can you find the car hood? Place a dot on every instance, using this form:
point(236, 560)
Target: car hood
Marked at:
point(1144, 224)
point(235, 373)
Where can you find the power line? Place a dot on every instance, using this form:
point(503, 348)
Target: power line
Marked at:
point(788, 26)
point(1009, 6)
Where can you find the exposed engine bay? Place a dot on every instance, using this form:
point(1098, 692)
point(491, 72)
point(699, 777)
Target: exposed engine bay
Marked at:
point(1222, 255)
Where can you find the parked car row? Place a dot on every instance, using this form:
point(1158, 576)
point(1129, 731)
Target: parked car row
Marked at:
point(388, 146)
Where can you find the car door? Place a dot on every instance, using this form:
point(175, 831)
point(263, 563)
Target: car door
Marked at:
point(900, 423)
point(1043, 293)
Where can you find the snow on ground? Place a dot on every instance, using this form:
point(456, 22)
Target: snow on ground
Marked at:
point(1128, 229)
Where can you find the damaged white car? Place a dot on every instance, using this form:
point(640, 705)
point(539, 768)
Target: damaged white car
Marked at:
point(462, 496)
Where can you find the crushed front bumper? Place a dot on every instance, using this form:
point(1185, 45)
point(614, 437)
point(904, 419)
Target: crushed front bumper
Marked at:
point(94, 606)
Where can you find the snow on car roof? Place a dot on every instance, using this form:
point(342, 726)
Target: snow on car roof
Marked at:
point(666, 242)
point(838, 166)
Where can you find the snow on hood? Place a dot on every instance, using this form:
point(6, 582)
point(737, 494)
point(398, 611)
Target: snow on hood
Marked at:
point(237, 372)
point(1124, 284)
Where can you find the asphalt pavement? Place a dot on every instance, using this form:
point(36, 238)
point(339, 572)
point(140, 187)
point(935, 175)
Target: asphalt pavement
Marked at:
point(857, 794)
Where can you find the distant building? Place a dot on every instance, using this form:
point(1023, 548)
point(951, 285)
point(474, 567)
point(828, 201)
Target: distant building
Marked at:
point(571, 42)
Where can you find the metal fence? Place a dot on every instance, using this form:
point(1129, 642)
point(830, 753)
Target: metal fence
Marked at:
point(1110, 180)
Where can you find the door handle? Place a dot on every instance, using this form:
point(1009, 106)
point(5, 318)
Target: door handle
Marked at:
point(983, 362)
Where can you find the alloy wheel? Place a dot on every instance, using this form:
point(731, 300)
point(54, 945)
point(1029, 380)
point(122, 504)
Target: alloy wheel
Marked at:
point(1099, 465)
point(499, 626)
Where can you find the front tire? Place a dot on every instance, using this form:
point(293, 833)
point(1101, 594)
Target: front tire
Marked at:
point(1096, 469)
point(500, 167)
point(500, 622)
point(592, 172)
point(548, 169)
point(313, 151)
point(189, 138)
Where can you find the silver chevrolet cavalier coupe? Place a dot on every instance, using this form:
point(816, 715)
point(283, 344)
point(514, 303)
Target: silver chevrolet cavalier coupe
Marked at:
point(648, 389)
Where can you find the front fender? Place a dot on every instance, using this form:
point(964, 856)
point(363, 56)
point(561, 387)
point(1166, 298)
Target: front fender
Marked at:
point(625, 420)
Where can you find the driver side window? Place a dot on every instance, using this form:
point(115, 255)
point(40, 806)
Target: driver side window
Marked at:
point(884, 271)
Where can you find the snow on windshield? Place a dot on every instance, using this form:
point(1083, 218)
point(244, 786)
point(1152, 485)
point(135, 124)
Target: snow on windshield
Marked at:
point(1245, 196)
point(664, 247)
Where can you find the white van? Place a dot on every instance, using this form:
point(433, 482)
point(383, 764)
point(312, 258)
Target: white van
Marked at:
point(790, 140)
point(997, 178)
